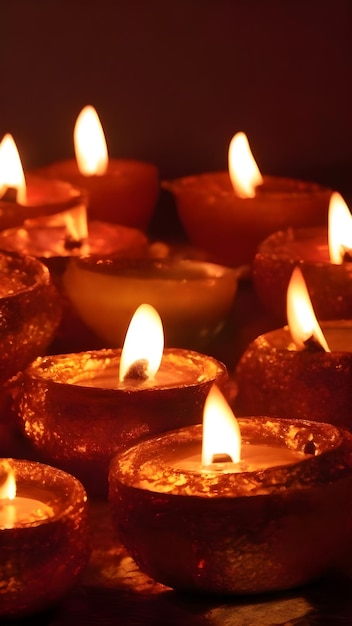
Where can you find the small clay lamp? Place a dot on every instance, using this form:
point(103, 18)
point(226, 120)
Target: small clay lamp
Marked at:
point(79, 409)
point(29, 311)
point(324, 256)
point(217, 519)
point(28, 197)
point(123, 191)
point(43, 536)
point(193, 297)
point(302, 370)
point(229, 213)
point(55, 240)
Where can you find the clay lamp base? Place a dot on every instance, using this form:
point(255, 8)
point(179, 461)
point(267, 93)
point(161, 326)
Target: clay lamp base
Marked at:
point(194, 298)
point(30, 312)
point(329, 285)
point(43, 239)
point(43, 538)
point(126, 194)
point(248, 531)
point(77, 415)
point(230, 228)
point(274, 377)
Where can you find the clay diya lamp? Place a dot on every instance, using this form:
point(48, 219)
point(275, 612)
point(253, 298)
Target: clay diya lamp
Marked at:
point(302, 370)
point(217, 519)
point(123, 191)
point(79, 409)
point(57, 238)
point(27, 197)
point(193, 297)
point(30, 313)
point(324, 258)
point(43, 536)
point(229, 213)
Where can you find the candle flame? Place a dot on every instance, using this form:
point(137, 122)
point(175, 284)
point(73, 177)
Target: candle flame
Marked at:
point(8, 486)
point(301, 318)
point(76, 223)
point(11, 170)
point(221, 432)
point(340, 229)
point(243, 170)
point(89, 142)
point(144, 343)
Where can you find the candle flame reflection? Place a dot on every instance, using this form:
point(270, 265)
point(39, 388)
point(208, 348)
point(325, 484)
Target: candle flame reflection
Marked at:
point(243, 170)
point(8, 486)
point(89, 142)
point(301, 318)
point(221, 432)
point(11, 170)
point(144, 343)
point(340, 229)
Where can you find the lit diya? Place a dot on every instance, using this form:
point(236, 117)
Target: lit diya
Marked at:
point(43, 536)
point(198, 510)
point(324, 256)
point(79, 409)
point(229, 213)
point(23, 197)
point(302, 370)
point(123, 191)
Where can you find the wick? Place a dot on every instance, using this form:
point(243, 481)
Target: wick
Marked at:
point(221, 458)
point(312, 345)
point(347, 257)
point(72, 244)
point(138, 370)
point(10, 195)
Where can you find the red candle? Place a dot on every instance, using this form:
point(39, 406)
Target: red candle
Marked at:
point(31, 196)
point(123, 191)
point(229, 221)
point(329, 282)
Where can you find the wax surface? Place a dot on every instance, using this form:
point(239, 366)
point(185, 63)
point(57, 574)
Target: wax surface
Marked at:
point(21, 511)
point(38, 240)
point(175, 369)
point(253, 457)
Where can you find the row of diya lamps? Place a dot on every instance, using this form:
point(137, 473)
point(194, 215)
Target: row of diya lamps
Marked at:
point(201, 501)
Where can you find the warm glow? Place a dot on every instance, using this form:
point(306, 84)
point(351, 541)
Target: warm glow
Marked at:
point(244, 172)
point(144, 342)
point(340, 228)
point(301, 318)
point(8, 487)
point(90, 145)
point(11, 171)
point(221, 432)
point(76, 223)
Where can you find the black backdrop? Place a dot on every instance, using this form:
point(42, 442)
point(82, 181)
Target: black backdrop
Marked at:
point(173, 80)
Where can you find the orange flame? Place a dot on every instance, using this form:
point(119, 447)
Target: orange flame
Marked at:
point(340, 228)
point(301, 318)
point(221, 432)
point(89, 142)
point(11, 171)
point(8, 488)
point(244, 172)
point(144, 342)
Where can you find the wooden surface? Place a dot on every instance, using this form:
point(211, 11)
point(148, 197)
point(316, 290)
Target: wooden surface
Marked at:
point(113, 591)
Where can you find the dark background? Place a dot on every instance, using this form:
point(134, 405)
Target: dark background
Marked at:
point(173, 80)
